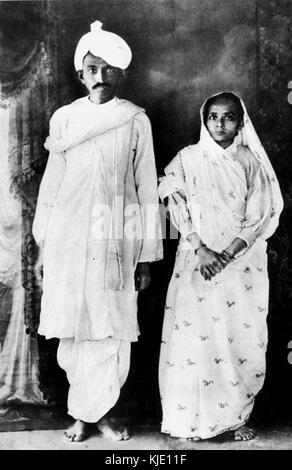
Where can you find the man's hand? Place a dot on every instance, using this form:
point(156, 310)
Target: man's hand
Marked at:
point(142, 276)
point(38, 269)
point(211, 263)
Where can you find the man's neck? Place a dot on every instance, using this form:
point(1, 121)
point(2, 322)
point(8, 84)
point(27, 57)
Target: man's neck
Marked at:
point(99, 101)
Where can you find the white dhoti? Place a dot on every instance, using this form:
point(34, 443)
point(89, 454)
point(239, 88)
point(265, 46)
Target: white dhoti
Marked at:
point(96, 371)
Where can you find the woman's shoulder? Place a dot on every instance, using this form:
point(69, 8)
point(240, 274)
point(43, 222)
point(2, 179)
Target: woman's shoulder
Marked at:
point(181, 157)
point(244, 150)
point(190, 155)
point(247, 158)
point(189, 150)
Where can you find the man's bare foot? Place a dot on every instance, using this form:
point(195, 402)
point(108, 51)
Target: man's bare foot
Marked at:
point(111, 430)
point(243, 434)
point(77, 432)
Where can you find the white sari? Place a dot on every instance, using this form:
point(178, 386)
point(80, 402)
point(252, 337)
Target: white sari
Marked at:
point(212, 362)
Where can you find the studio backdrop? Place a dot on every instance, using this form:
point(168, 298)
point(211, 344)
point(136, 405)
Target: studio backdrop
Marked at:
point(183, 51)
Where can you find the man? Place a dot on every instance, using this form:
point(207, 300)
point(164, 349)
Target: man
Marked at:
point(95, 229)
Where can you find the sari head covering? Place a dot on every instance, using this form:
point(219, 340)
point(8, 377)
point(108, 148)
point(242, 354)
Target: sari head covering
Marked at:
point(247, 136)
point(109, 46)
point(202, 172)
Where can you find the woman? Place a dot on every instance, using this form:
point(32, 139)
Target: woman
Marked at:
point(225, 200)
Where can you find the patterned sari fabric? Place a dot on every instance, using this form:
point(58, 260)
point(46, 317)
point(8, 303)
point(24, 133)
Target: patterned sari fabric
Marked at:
point(212, 362)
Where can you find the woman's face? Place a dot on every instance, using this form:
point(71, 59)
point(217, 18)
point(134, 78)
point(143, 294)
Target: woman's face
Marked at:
point(222, 122)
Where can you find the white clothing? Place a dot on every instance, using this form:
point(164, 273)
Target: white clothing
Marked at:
point(212, 361)
point(96, 371)
point(109, 46)
point(88, 285)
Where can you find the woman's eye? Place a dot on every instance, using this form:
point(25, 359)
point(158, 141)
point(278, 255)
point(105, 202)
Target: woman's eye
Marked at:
point(110, 70)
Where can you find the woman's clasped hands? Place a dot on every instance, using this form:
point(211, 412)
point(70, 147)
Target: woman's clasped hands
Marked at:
point(211, 262)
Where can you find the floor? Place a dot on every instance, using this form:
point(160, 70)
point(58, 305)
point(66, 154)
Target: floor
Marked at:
point(143, 438)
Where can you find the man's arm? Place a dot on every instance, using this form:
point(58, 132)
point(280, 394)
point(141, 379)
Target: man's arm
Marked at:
point(142, 276)
point(38, 267)
point(50, 184)
point(146, 183)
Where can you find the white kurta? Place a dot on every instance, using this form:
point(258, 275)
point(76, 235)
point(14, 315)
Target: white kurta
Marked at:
point(117, 165)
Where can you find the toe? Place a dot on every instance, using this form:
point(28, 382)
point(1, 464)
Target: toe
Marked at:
point(243, 434)
point(125, 435)
point(74, 437)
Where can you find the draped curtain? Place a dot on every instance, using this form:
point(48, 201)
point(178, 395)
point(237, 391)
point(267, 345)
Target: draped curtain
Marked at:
point(26, 101)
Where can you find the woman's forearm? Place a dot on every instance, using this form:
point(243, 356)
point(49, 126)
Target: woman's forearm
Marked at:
point(235, 247)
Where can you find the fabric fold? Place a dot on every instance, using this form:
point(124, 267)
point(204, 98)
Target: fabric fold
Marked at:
point(123, 112)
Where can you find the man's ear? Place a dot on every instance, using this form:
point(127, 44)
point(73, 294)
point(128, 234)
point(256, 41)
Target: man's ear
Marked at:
point(124, 74)
point(80, 75)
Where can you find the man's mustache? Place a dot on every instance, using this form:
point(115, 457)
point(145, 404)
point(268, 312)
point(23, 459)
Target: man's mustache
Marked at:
point(100, 85)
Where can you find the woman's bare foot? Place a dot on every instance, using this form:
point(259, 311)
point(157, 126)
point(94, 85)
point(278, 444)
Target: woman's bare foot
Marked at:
point(190, 439)
point(77, 432)
point(243, 434)
point(111, 430)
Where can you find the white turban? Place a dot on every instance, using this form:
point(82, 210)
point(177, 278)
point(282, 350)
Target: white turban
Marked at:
point(109, 46)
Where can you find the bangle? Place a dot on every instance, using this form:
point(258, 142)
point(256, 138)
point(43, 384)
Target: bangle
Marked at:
point(227, 254)
point(202, 245)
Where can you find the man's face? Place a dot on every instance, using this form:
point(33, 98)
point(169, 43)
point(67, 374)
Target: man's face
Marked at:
point(100, 78)
point(222, 122)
